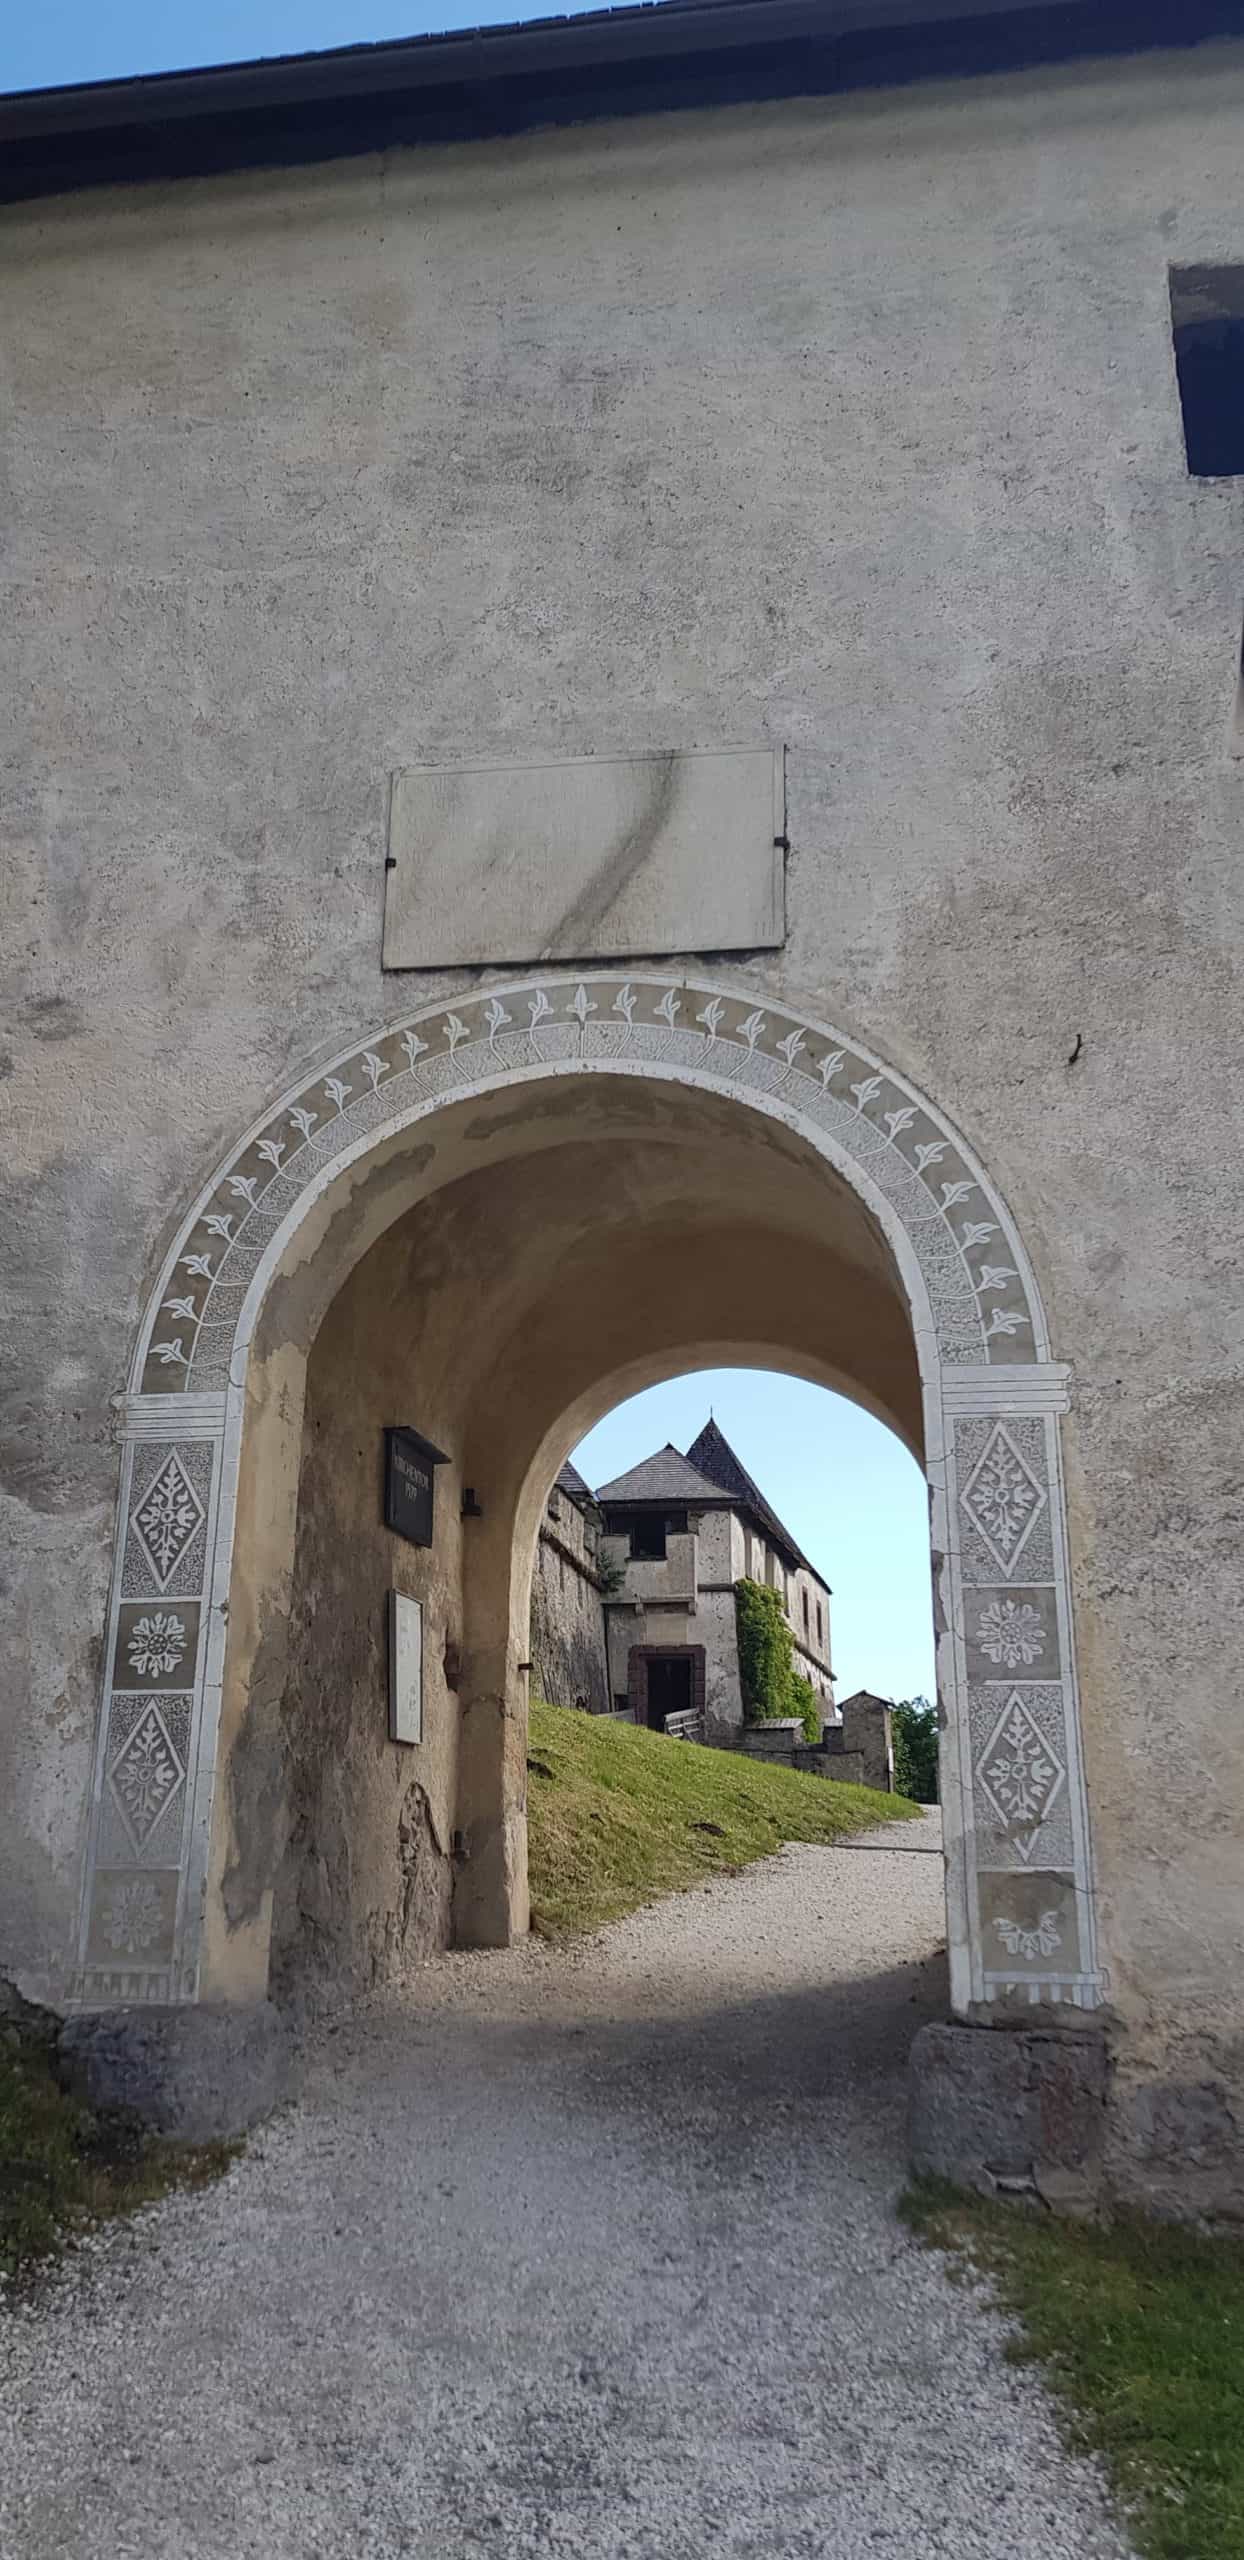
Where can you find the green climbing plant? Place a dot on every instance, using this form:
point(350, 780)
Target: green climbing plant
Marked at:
point(771, 1685)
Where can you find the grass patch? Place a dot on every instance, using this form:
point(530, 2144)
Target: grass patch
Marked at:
point(1139, 2327)
point(617, 1815)
point(64, 2167)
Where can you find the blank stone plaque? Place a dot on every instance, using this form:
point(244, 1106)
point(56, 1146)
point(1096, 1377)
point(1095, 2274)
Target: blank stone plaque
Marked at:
point(405, 1668)
point(606, 857)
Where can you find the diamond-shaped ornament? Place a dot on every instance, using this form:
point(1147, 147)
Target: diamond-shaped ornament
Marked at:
point(147, 1776)
point(1019, 1774)
point(1003, 1499)
point(167, 1518)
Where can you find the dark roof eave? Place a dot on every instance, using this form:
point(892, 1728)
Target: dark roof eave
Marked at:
point(495, 80)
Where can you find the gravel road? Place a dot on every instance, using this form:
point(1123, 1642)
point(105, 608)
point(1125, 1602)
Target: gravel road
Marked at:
point(577, 2252)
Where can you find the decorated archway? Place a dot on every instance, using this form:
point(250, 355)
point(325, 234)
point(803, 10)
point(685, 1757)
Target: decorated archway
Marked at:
point(308, 1191)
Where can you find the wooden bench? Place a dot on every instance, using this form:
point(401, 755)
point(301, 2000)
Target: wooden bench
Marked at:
point(687, 1725)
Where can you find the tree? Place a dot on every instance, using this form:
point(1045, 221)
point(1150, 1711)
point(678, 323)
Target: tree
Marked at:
point(913, 1723)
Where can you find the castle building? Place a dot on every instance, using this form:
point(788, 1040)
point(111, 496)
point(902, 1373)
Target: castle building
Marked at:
point(684, 1531)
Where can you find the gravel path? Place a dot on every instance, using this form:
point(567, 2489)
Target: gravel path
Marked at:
point(583, 2252)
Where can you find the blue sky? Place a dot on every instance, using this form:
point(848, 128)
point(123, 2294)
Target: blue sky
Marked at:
point(64, 40)
point(845, 1487)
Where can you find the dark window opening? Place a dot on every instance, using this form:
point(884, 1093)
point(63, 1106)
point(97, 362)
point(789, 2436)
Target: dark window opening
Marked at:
point(648, 1538)
point(805, 1613)
point(669, 1687)
point(1207, 322)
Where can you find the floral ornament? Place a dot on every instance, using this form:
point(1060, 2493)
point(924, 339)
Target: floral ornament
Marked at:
point(167, 1517)
point(132, 1916)
point(1020, 1774)
point(1011, 1632)
point(1030, 1943)
point(146, 1777)
point(156, 1644)
point(1002, 1499)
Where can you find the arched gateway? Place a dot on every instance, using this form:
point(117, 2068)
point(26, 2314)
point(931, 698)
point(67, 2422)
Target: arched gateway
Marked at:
point(217, 1389)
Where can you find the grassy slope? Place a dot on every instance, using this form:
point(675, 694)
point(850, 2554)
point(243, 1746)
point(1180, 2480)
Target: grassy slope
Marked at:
point(617, 1816)
point(1140, 2329)
point(62, 2167)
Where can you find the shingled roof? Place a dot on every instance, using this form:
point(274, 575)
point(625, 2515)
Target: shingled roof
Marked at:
point(712, 1454)
point(665, 1477)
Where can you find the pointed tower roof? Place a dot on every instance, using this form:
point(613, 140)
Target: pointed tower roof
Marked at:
point(713, 1456)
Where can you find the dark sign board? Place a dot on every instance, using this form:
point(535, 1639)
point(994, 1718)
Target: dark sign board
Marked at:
point(409, 1482)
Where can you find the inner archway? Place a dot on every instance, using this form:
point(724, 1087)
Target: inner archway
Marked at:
point(483, 1223)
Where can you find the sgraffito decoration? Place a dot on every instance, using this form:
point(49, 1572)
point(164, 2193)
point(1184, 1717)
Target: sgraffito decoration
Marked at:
point(1014, 1795)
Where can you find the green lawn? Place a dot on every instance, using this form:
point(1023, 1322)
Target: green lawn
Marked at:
point(1139, 2327)
point(63, 2167)
point(617, 1816)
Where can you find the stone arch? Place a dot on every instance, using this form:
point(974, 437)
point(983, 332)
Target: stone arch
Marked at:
point(1019, 1898)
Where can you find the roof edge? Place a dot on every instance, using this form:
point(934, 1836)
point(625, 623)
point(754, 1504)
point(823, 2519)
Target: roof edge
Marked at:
point(484, 82)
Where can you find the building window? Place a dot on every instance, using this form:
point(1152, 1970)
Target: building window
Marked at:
point(820, 1623)
point(1207, 323)
point(805, 1613)
point(648, 1538)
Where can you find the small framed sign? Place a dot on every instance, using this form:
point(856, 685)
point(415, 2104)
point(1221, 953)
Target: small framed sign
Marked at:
point(409, 1483)
point(405, 1668)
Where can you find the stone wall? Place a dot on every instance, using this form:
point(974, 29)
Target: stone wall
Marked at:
point(568, 1663)
point(865, 1728)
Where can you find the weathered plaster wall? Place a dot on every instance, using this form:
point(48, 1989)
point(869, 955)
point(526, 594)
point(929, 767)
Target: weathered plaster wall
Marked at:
point(851, 424)
point(364, 1887)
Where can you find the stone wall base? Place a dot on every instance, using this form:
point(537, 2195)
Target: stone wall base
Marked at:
point(1011, 2110)
point(193, 2074)
point(1057, 2112)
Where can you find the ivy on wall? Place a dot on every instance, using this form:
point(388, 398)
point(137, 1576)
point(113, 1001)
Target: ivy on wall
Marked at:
point(771, 1685)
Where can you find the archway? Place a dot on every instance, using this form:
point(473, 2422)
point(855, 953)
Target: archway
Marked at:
point(700, 1176)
